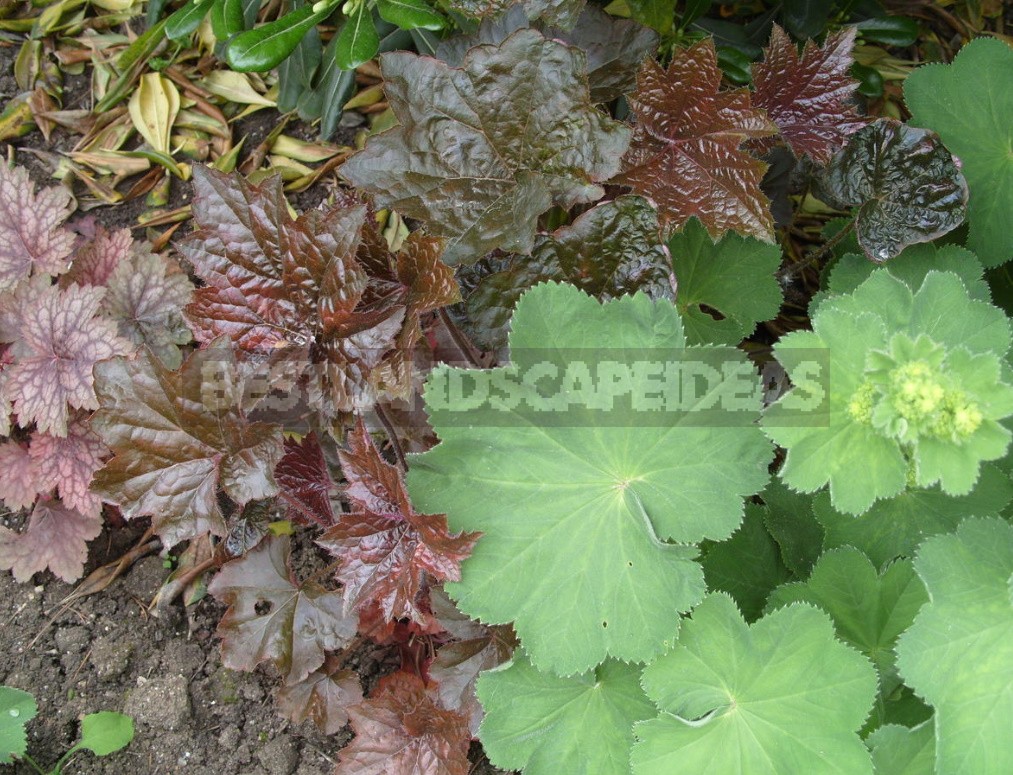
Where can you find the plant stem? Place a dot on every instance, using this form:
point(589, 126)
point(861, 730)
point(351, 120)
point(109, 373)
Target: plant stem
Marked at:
point(467, 349)
point(395, 442)
point(788, 274)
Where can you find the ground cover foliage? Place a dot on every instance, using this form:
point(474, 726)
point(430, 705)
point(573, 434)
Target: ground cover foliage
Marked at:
point(643, 382)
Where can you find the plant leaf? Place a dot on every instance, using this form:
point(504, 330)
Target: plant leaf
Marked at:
point(304, 481)
point(904, 182)
point(586, 721)
point(685, 154)
point(56, 538)
point(897, 750)
point(300, 623)
point(105, 732)
point(958, 655)
point(611, 250)
point(782, 695)
point(492, 145)
point(969, 104)
point(401, 730)
point(68, 463)
point(19, 478)
point(321, 697)
point(808, 97)
point(358, 40)
point(563, 491)
point(31, 233)
point(788, 517)
point(387, 552)
point(724, 289)
point(561, 13)
point(61, 339)
point(177, 436)
point(17, 708)
point(97, 258)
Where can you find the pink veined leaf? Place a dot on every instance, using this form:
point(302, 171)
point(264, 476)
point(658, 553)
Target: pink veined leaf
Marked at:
point(19, 480)
point(304, 482)
point(97, 258)
point(56, 537)
point(321, 697)
point(271, 618)
point(808, 97)
point(68, 463)
point(686, 153)
point(402, 730)
point(387, 551)
point(32, 237)
point(61, 340)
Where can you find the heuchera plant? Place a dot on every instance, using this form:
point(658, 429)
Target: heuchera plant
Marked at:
point(615, 545)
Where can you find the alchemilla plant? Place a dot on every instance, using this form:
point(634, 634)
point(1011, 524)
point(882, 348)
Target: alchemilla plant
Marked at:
point(625, 483)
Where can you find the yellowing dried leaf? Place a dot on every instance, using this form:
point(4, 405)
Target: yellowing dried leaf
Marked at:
point(153, 109)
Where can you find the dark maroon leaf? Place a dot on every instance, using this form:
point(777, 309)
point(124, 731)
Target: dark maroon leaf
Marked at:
point(904, 182)
point(402, 730)
point(561, 13)
point(56, 538)
point(808, 97)
point(272, 618)
point(177, 436)
point(480, 152)
point(387, 552)
point(686, 156)
point(321, 697)
point(304, 482)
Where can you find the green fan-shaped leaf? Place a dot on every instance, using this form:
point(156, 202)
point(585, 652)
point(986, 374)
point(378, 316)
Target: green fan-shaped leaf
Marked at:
point(724, 289)
point(594, 512)
point(748, 565)
point(105, 732)
point(585, 722)
point(958, 655)
point(895, 526)
point(780, 696)
point(970, 104)
point(789, 519)
point(915, 389)
point(897, 750)
point(869, 609)
point(17, 708)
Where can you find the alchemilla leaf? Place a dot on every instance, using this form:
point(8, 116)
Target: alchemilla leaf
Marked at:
point(898, 750)
point(273, 618)
point(779, 696)
point(686, 153)
point(969, 103)
point(481, 151)
point(177, 437)
point(587, 719)
point(593, 477)
point(904, 182)
point(908, 388)
point(958, 655)
point(808, 97)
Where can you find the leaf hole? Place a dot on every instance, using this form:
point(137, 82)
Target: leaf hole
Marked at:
point(711, 312)
point(263, 607)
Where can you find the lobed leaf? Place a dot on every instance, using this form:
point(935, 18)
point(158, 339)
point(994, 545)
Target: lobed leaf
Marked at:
point(561, 13)
point(56, 537)
point(898, 750)
point(321, 697)
point(68, 463)
point(304, 481)
point(19, 477)
point(17, 708)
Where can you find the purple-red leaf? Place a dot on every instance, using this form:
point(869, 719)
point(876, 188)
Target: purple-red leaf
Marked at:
point(271, 618)
point(304, 483)
point(388, 552)
point(60, 341)
point(177, 436)
point(685, 154)
point(19, 480)
point(808, 97)
point(56, 537)
point(402, 730)
point(32, 237)
point(69, 463)
point(97, 259)
point(321, 697)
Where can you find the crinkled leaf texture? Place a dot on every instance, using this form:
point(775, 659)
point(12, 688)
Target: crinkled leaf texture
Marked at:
point(273, 619)
point(56, 537)
point(321, 697)
point(178, 436)
point(68, 463)
point(561, 13)
point(780, 696)
point(904, 182)
point(808, 97)
point(481, 151)
point(60, 340)
point(611, 250)
point(584, 722)
point(724, 289)
point(401, 730)
point(32, 237)
point(19, 480)
point(686, 153)
point(914, 388)
point(958, 655)
point(387, 552)
point(898, 750)
point(969, 103)
point(304, 481)
point(595, 510)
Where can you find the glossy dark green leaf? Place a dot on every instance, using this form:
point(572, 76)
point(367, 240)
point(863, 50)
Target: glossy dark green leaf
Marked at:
point(183, 22)
point(734, 64)
point(154, 11)
point(904, 182)
point(870, 82)
point(227, 18)
point(889, 30)
point(358, 40)
point(295, 74)
point(265, 47)
point(335, 89)
point(694, 10)
point(806, 18)
point(410, 14)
